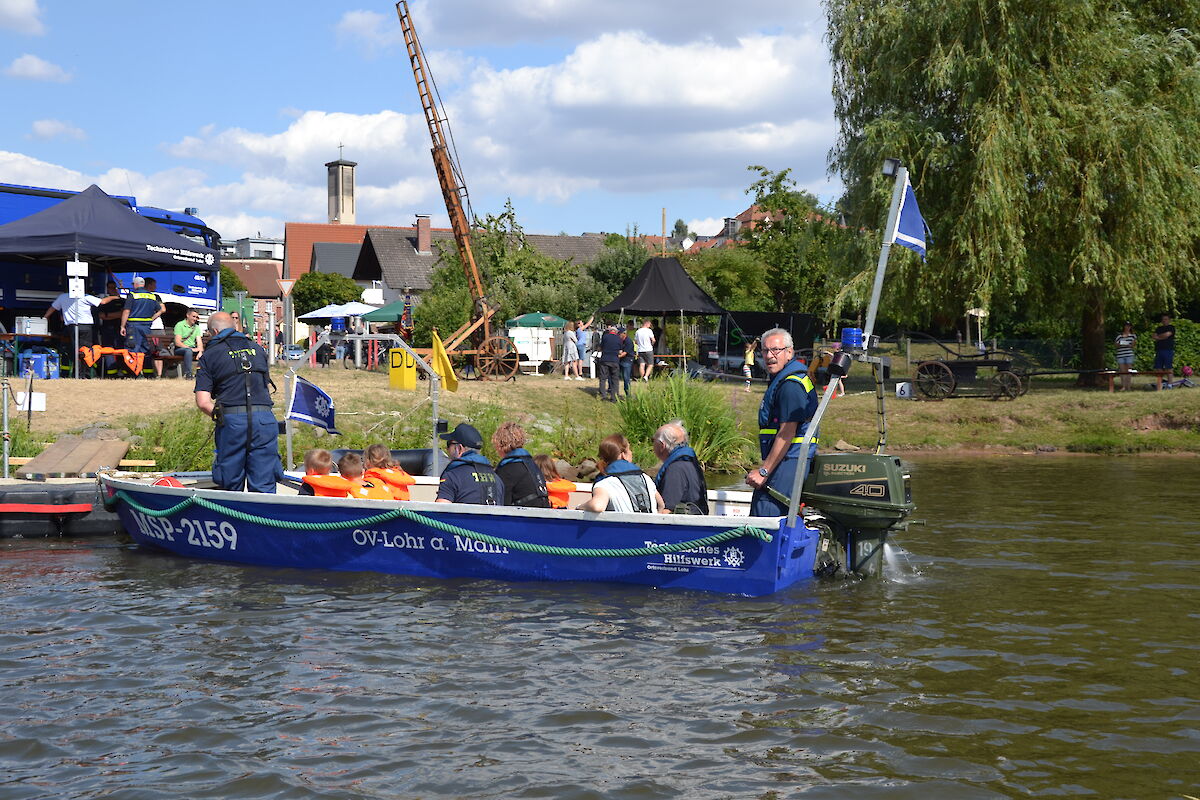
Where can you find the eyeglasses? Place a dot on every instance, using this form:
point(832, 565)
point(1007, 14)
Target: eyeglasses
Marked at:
point(775, 350)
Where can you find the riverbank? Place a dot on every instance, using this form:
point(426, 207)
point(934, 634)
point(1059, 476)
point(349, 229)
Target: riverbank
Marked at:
point(565, 417)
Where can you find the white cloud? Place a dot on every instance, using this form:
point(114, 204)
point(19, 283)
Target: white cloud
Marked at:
point(30, 67)
point(709, 226)
point(56, 129)
point(374, 31)
point(22, 16)
point(462, 23)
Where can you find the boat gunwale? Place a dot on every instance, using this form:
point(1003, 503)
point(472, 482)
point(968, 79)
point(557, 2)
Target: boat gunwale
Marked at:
point(768, 524)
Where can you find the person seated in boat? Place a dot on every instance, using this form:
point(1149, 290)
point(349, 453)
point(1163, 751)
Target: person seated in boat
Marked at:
point(680, 480)
point(317, 463)
point(625, 487)
point(524, 484)
point(381, 469)
point(558, 487)
point(350, 467)
point(469, 477)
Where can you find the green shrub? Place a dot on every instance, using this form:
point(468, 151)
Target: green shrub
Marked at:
point(706, 413)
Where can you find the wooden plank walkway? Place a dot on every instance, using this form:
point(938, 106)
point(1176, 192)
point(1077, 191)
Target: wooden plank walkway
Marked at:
point(74, 458)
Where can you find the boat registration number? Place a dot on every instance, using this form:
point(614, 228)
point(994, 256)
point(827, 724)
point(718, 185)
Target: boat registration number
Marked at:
point(200, 533)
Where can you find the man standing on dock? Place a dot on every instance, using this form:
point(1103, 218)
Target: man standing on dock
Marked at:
point(232, 387)
point(787, 407)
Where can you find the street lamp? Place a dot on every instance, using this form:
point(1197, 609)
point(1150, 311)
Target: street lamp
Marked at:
point(891, 166)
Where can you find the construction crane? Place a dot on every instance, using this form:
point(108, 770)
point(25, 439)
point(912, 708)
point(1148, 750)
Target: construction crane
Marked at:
point(495, 357)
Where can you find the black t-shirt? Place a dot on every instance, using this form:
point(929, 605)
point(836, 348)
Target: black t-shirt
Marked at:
point(521, 483)
point(222, 371)
point(1169, 342)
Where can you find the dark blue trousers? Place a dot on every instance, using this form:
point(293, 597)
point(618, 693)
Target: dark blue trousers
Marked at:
point(247, 457)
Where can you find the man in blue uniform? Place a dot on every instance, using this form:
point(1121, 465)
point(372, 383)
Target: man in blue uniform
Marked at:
point(788, 405)
point(610, 362)
point(469, 477)
point(142, 307)
point(232, 387)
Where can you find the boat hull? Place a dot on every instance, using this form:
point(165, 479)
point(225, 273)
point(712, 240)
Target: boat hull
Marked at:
point(452, 541)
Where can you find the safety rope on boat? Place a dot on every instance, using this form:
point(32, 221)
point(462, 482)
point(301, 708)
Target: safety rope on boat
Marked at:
point(415, 516)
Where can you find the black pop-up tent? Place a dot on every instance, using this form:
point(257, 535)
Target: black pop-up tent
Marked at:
point(100, 230)
point(663, 287)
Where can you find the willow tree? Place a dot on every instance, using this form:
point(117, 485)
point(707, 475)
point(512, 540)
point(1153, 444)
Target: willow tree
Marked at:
point(1054, 146)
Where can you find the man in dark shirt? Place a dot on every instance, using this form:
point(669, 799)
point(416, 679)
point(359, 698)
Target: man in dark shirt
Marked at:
point(469, 477)
point(110, 324)
point(232, 387)
point(142, 307)
point(1164, 346)
point(680, 480)
point(610, 363)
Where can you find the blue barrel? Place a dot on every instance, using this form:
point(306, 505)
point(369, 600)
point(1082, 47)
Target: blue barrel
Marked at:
point(852, 338)
point(337, 325)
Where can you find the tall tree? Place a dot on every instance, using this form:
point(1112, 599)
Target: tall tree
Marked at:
point(318, 289)
point(798, 241)
point(1053, 146)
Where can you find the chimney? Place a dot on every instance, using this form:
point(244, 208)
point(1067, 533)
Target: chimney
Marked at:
point(424, 237)
point(341, 191)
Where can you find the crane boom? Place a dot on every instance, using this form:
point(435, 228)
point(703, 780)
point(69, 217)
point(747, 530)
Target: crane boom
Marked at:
point(454, 190)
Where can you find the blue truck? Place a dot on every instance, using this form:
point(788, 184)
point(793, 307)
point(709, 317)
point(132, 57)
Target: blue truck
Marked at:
point(28, 292)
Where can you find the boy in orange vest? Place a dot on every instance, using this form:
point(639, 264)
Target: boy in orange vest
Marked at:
point(316, 462)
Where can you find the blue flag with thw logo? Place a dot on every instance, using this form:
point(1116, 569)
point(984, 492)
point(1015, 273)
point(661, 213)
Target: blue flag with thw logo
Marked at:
point(312, 405)
point(911, 230)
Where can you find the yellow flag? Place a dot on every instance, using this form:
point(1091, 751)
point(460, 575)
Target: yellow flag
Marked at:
point(441, 365)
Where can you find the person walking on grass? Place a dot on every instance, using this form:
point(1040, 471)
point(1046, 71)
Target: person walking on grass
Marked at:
point(644, 341)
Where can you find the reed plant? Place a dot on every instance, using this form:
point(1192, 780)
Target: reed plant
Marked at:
point(706, 411)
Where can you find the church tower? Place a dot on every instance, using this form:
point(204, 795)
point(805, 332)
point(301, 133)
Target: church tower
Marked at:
point(341, 191)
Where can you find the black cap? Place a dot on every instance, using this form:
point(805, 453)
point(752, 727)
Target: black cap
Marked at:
point(465, 435)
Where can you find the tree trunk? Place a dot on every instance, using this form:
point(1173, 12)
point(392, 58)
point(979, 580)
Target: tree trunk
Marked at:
point(1093, 340)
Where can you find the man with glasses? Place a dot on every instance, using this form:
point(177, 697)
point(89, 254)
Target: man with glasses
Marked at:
point(787, 407)
point(469, 477)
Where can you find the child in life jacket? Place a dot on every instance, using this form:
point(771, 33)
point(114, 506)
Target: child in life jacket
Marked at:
point(382, 470)
point(559, 487)
point(351, 468)
point(316, 462)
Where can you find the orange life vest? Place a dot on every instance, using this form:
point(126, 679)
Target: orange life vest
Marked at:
point(394, 478)
point(329, 485)
point(337, 486)
point(560, 492)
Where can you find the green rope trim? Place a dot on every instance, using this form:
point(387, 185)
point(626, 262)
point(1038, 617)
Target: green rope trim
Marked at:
point(415, 516)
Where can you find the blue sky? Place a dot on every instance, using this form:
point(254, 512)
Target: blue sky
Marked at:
point(589, 115)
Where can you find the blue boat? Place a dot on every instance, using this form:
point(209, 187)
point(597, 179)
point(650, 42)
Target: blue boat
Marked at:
point(855, 501)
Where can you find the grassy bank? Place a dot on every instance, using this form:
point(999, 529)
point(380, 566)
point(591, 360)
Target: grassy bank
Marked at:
point(564, 417)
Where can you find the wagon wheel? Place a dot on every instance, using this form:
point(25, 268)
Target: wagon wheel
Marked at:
point(935, 380)
point(1005, 386)
point(1026, 379)
point(497, 359)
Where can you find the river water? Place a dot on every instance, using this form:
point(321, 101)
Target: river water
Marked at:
point(1038, 637)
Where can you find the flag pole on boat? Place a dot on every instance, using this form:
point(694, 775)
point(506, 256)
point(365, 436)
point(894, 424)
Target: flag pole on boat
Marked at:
point(904, 223)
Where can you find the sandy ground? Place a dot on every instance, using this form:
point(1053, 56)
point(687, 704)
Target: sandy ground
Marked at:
point(75, 404)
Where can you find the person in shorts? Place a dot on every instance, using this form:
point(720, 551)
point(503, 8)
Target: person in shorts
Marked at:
point(643, 342)
point(1125, 342)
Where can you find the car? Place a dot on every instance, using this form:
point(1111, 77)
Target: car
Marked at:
point(293, 352)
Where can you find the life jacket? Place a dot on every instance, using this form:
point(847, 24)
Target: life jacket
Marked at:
point(395, 479)
point(487, 484)
point(634, 481)
point(370, 491)
point(560, 490)
point(540, 492)
point(329, 485)
point(686, 453)
point(768, 415)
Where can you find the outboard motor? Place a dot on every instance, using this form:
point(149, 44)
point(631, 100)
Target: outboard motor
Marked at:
point(855, 500)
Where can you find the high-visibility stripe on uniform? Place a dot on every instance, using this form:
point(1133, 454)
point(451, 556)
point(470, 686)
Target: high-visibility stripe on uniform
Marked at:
point(796, 440)
point(143, 296)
